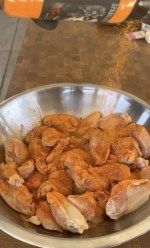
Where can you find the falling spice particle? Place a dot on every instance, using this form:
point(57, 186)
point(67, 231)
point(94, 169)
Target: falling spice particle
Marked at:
point(117, 72)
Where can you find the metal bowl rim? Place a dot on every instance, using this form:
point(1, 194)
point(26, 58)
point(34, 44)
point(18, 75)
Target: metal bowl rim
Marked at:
point(139, 100)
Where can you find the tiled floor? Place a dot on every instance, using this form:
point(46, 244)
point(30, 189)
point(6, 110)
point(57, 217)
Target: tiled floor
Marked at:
point(11, 33)
point(81, 53)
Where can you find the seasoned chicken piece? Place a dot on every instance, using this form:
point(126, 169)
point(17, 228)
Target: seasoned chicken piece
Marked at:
point(41, 166)
point(141, 163)
point(112, 159)
point(143, 138)
point(18, 198)
point(99, 147)
point(88, 206)
point(117, 132)
point(35, 181)
point(35, 133)
point(102, 196)
point(15, 151)
point(91, 121)
point(66, 214)
point(58, 181)
point(83, 178)
point(26, 169)
point(74, 143)
point(60, 175)
point(44, 215)
point(51, 136)
point(114, 172)
point(114, 121)
point(56, 165)
point(143, 173)
point(127, 150)
point(37, 150)
point(77, 154)
point(57, 151)
point(9, 172)
point(63, 123)
point(126, 197)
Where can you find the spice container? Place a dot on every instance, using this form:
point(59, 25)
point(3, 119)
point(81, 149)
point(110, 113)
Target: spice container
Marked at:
point(47, 12)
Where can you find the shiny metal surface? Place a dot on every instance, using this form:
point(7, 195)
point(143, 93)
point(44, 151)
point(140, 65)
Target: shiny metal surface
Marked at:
point(20, 113)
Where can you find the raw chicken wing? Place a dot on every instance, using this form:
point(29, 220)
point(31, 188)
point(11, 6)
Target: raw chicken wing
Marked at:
point(66, 214)
point(44, 215)
point(143, 138)
point(51, 136)
point(88, 206)
point(35, 133)
point(9, 172)
point(57, 151)
point(58, 181)
point(91, 121)
point(37, 150)
point(15, 151)
point(18, 198)
point(35, 181)
point(127, 150)
point(83, 178)
point(126, 197)
point(114, 172)
point(26, 169)
point(77, 154)
point(63, 123)
point(114, 121)
point(99, 147)
point(102, 196)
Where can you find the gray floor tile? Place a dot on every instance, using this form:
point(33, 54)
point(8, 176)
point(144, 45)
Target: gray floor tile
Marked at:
point(4, 55)
point(8, 75)
point(22, 25)
point(7, 31)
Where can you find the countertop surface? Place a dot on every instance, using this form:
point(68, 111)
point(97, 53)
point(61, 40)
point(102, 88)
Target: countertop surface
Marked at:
point(82, 53)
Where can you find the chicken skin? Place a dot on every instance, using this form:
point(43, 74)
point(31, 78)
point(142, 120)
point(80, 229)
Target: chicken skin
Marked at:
point(99, 147)
point(58, 181)
point(35, 181)
point(88, 206)
point(63, 123)
point(143, 138)
point(9, 172)
point(15, 151)
point(66, 214)
point(57, 151)
point(77, 154)
point(39, 153)
point(18, 198)
point(51, 136)
point(37, 150)
point(126, 197)
point(83, 178)
point(26, 169)
point(35, 133)
point(44, 214)
point(127, 150)
point(114, 121)
point(115, 172)
point(91, 121)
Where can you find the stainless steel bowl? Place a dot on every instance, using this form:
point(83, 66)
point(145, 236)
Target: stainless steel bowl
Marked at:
point(20, 113)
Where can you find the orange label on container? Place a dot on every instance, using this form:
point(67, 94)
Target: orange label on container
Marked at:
point(124, 9)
